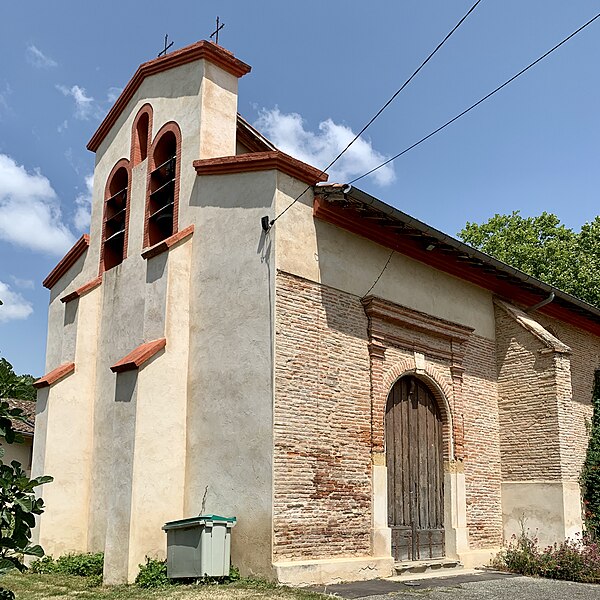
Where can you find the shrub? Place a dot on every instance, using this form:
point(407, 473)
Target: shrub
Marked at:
point(43, 566)
point(152, 574)
point(571, 560)
point(83, 565)
point(6, 594)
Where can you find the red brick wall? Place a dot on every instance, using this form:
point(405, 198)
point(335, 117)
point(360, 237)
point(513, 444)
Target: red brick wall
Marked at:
point(528, 409)
point(482, 443)
point(584, 359)
point(322, 437)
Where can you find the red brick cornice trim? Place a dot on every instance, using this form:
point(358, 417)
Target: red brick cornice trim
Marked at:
point(378, 309)
point(68, 260)
point(260, 161)
point(200, 50)
point(167, 243)
point(84, 289)
point(136, 358)
point(54, 375)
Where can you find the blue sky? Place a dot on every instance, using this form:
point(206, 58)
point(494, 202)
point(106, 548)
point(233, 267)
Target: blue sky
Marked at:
point(320, 70)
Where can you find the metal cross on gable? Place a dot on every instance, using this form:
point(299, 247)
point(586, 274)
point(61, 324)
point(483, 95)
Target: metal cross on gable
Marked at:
point(164, 52)
point(215, 33)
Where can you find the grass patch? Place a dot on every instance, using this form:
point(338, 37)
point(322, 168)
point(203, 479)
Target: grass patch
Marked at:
point(58, 586)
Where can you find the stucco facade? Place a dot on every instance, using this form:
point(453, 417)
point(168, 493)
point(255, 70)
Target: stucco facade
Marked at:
point(246, 370)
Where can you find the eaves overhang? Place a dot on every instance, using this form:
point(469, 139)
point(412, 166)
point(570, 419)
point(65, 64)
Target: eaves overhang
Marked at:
point(365, 215)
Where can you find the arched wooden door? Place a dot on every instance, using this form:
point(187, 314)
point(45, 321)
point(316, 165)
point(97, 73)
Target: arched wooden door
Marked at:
point(414, 457)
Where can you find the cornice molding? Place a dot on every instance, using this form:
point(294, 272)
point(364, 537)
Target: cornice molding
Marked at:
point(84, 289)
point(136, 358)
point(167, 243)
point(68, 260)
point(260, 161)
point(200, 50)
point(377, 308)
point(53, 376)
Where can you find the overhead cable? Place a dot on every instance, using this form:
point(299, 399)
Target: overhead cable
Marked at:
point(464, 112)
point(370, 122)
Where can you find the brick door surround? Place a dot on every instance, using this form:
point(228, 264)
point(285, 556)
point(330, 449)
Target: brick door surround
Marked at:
point(402, 342)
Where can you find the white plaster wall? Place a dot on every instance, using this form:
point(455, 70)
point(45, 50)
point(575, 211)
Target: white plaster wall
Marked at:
point(63, 441)
point(547, 510)
point(19, 452)
point(158, 474)
point(230, 422)
point(121, 330)
point(328, 254)
point(60, 343)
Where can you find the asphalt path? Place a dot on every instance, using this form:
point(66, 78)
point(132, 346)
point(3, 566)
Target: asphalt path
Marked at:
point(481, 586)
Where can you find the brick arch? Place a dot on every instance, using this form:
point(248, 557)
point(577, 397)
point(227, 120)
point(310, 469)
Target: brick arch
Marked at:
point(172, 127)
point(433, 378)
point(136, 152)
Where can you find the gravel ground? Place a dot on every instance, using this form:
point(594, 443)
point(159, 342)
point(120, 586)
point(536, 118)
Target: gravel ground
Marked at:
point(504, 588)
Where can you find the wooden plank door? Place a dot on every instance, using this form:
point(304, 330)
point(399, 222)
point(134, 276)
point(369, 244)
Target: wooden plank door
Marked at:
point(414, 457)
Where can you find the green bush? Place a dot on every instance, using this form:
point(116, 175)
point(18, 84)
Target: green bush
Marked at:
point(83, 565)
point(590, 473)
point(152, 574)
point(571, 560)
point(6, 594)
point(43, 566)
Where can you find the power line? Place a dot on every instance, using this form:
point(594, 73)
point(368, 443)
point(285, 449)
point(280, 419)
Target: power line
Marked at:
point(370, 122)
point(380, 274)
point(402, 86)
point(464, 112)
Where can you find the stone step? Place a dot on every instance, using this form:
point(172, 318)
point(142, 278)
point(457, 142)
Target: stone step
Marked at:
point(434, 565)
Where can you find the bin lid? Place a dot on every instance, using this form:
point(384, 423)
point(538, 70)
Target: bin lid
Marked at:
point(199, 520)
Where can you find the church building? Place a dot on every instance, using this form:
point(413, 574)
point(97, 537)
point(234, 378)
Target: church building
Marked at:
point(356, 387)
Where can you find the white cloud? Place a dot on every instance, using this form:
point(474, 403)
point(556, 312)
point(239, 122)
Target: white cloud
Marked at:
point(288, 133)
point(64, 125)
point(30, 214)
point(25, 284)
point(113, 93)
point(85, 106)
point(37, 58)
point(83, 204)
point(14, 306)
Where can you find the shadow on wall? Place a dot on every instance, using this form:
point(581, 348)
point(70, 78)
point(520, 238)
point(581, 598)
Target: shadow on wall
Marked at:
point(240, 190)
point(63, 282)
point(71, 309)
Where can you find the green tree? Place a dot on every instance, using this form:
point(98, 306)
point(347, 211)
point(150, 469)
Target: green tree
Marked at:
point(590, 474)
point(18, 387)
point(544, 248)
point(18, 502)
